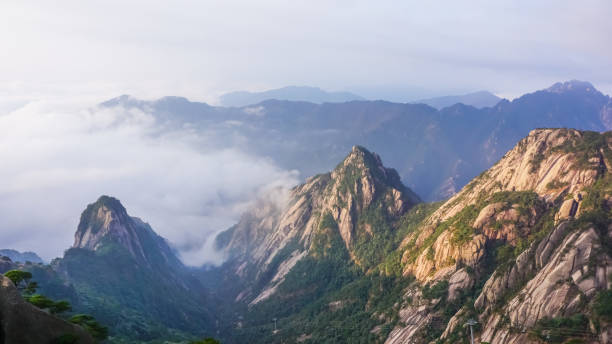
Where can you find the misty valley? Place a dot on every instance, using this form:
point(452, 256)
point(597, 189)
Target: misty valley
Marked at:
point(401, 223)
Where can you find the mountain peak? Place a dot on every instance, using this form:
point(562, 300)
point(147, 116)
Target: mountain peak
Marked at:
point(106, 222)
point(361, 162)
point(99, 216)
point(363, 154)
point(571, 86)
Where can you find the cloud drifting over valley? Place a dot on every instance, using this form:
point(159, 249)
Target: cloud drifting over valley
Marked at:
point(59, 156)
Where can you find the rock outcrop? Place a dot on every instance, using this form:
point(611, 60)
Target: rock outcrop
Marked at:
point(549, 162)
point(530, 204)
point(106, 221)
point(23, 323)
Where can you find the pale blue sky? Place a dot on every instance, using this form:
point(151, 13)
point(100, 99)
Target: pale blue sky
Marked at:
point(201, 49)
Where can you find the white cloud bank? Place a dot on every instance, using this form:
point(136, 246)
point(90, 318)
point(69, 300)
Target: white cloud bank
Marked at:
point(59, 157)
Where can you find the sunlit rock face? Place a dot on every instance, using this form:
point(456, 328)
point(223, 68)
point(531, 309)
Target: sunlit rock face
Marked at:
point(359, 184)
point(533, 229)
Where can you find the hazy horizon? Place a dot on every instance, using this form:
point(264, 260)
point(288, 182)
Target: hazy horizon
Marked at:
point(59, 61)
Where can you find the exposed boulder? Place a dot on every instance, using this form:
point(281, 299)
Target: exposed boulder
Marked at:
point(23, 323)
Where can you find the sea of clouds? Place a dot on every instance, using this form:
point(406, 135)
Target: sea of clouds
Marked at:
point(59, 156)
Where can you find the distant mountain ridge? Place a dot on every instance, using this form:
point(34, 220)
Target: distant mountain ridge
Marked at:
point(291, 93)
point(21, 257)
point(478, 99)
point(446, 148)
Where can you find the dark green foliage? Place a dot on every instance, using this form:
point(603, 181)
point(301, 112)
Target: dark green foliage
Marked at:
point(555, 184)
point(22, 280)
point(327, 276)
point(588, 146)
point(40, 301)
point(208, 340)
point(558, 330)
point(413, 219)
point(91, 325)
point(371, 249)
point(524, 199)
point(461, 223)
point(60, 307)
point(327, 242)
point(437, 291)
point(126, 295)
point(68, 338)
point(462, 233)
point(602, 306)
point(351, 322)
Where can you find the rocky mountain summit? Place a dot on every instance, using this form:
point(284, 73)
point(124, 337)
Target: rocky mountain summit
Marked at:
point(347, 201)
point(522, 246)
point(129, 278)
point(524, 249)
point(106, 222)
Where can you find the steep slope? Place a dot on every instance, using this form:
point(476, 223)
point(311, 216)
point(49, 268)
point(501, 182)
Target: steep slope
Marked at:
point(355, 197)
point(129, 278)
point(23, 323)
point(436, 152)
point(524, 248)
point(330, 232)
point(106, 222)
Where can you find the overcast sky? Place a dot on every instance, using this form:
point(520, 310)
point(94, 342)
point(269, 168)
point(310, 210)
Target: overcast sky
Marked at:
point(59, 58)
point(392, 49)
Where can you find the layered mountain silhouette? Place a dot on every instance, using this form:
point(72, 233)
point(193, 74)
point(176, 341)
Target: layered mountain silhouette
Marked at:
point(435, 152)
point(292, 93)
point(478, 99)
point(353, 255)
point(21, 257)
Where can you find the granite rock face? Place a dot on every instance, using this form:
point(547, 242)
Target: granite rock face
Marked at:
point(556, 176)
point(360, 182)
point(107, 222)
point(23, 323)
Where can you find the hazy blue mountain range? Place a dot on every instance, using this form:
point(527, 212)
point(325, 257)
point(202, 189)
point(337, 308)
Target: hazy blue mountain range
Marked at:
point(294, 93)
point(478, 99)
point(435, 152)
point(21, 257)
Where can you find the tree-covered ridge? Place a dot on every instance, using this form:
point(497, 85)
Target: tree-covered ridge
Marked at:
point(22, 280)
